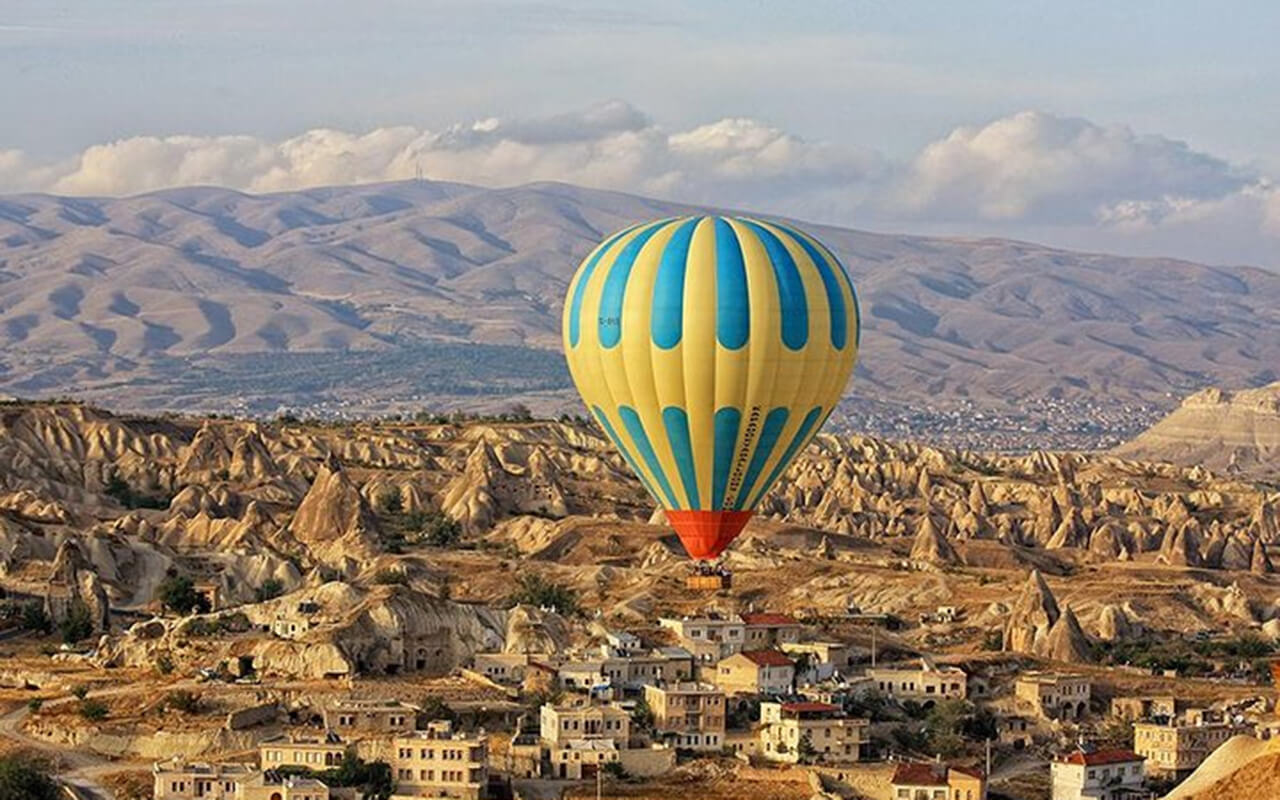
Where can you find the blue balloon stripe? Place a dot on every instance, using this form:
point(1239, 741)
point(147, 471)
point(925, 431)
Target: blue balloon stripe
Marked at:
point(794, 307)
point(580, 291)
point(622, 448)
point(615, 287)
point(727, 421)
point(733, 312)
point(667, 322)
point(769, 433)
point(802, 434)
point(676, 422)
point(635, 427)
point(835, 297)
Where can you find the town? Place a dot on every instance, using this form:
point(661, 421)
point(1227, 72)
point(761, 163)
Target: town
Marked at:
point(793, 705)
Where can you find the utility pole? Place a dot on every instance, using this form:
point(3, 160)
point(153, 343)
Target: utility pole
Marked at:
point(988, 759)
point(873, 644)
point(599, 780)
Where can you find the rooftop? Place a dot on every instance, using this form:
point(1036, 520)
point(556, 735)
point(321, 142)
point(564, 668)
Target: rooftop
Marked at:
point(1100, 757)
point(591, 744)
point(1052, 677)
point(687, 687)
point(767, 658)
point(810, 707)
point(920, 775)
point(351, 704)
point(768, 619)
point(177, 765)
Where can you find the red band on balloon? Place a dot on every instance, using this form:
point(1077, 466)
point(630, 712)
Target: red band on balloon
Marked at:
point(705, 534)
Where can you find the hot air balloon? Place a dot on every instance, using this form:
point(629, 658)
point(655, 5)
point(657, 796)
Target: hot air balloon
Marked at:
point(711, 350)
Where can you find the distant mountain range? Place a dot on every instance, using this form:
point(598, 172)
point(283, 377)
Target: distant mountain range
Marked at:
point(209, 298)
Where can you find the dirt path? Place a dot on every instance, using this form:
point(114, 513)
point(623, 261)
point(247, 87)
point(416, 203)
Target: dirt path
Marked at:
point(83, 768)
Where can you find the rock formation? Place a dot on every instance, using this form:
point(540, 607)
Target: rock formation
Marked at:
point(930, 546)
point(333, 521)
point(74, 588)
point(1033, 615)
point(1218, 429)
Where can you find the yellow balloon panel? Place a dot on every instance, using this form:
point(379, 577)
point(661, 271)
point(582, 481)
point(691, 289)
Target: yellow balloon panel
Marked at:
point(711, 350)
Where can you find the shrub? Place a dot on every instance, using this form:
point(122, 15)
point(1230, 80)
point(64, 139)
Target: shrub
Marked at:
point(25, 778)
point(435, 528)
point(34, 705)
point(178, 593)
point(124, 494)
point(388, 577)
point(93, 710)
point(535, 590)
point(269, 590)
point(182, 700)
point(615, 770)
point(434, 708)
point(34, 618)
point(164, 664)
point(78, 623)
point(80, 692)
point(390, 502)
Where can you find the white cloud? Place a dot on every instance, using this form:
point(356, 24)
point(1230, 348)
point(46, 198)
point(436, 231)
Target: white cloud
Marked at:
point(1028, 173)
point(1034, 166)
point(611, 145)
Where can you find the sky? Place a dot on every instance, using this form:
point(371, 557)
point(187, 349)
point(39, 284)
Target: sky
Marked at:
point(1139, 127)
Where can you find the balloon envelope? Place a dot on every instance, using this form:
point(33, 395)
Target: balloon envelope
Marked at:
point(710, 350)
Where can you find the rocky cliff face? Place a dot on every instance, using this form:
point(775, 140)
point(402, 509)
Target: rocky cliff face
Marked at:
point(103, 507)
point(1229, 431)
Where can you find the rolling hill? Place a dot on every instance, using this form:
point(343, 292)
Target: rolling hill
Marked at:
point(206, 297)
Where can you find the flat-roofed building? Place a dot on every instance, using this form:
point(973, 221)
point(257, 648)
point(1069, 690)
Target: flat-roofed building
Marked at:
point(312, 752)
point(583, 720)
point(709, 638)
point(508, 668)
point(1114, 774)
point(825, 658)
point(936, 781)
point(370, 717)
point(793, 731)
point(582, 675)
point(274, 786)
point(1054, 695)
point(765, 631)
point(755, 672)
point(637, 670)
point(178, 779)
point(440, 762)
point(576, 759)
point(689, 714)
point(925, 683)
point(1148, 707)
point(1175, 748)
point(1014, 730)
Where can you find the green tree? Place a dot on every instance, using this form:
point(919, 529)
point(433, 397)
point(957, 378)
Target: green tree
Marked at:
point(80, 692)
point(34, 705)
point(391, 502)
point(805, 750)
point(178, 593)
point(26, 778)
point(78, 624)
point(642, 715)
point(534, 590)
point(34, 618)
point(434, 708)
point(269, 590)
